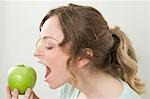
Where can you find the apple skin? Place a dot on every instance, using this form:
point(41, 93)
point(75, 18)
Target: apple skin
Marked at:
point(21, 77)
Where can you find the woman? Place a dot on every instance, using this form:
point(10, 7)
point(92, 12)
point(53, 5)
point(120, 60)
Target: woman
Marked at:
point(84, 56)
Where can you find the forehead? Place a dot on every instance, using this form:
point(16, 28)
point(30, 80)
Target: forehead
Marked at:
point(52, 28)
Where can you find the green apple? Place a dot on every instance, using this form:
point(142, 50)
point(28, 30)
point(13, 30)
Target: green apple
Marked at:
point(21, 77)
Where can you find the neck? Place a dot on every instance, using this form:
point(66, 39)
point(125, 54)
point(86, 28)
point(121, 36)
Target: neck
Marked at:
point(99, 85)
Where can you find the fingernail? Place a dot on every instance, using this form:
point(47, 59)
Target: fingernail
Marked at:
point(15, 90)
point(28, 89)
point(27, 93)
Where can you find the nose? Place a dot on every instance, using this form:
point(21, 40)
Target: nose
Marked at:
point(37, 52)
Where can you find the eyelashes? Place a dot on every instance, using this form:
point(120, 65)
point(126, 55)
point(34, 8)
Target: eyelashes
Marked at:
point(49, 48)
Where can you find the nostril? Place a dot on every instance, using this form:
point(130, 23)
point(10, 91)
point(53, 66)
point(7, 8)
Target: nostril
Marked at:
point(34, 53)
point(37, 53)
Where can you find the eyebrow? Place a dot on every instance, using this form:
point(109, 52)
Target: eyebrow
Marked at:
point(49, 37)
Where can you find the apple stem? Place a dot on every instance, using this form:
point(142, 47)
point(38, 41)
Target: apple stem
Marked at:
point(20, 65)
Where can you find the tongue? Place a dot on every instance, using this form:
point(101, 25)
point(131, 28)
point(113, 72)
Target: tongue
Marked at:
point(47, 72)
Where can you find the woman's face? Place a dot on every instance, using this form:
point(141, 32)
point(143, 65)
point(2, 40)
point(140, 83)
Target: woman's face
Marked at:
point(50, 54)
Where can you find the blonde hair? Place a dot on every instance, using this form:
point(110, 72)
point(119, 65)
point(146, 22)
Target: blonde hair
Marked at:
point(126, 59)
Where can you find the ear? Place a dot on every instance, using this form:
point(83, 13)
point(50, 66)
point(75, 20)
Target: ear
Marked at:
point(85, 57)
point(82, 62)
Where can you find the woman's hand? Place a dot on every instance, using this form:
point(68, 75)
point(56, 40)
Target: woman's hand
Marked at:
point(29, 94)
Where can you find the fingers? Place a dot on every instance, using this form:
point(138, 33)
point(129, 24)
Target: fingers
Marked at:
point(28, 93)
point(8, 92)
point(15, 94)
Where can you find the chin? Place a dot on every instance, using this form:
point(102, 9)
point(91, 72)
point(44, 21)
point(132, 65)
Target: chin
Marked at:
point(54, 86)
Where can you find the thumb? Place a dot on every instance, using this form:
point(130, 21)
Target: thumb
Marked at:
point(15, 94)
point(8, 92)
point(27, 93)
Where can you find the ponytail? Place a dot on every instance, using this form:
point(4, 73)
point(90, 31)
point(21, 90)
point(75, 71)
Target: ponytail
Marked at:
point(125, 60)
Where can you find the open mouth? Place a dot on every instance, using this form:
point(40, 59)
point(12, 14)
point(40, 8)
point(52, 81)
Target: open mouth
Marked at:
point(48, 71)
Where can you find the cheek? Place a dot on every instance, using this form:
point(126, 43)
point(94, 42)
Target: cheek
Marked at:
point(57, 61)
point(59, 75)
point(57, 58)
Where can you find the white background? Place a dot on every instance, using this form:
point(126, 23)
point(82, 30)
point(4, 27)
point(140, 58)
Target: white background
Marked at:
point(19, 30)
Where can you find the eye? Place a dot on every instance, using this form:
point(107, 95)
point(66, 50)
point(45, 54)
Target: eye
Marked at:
point(49, 48)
